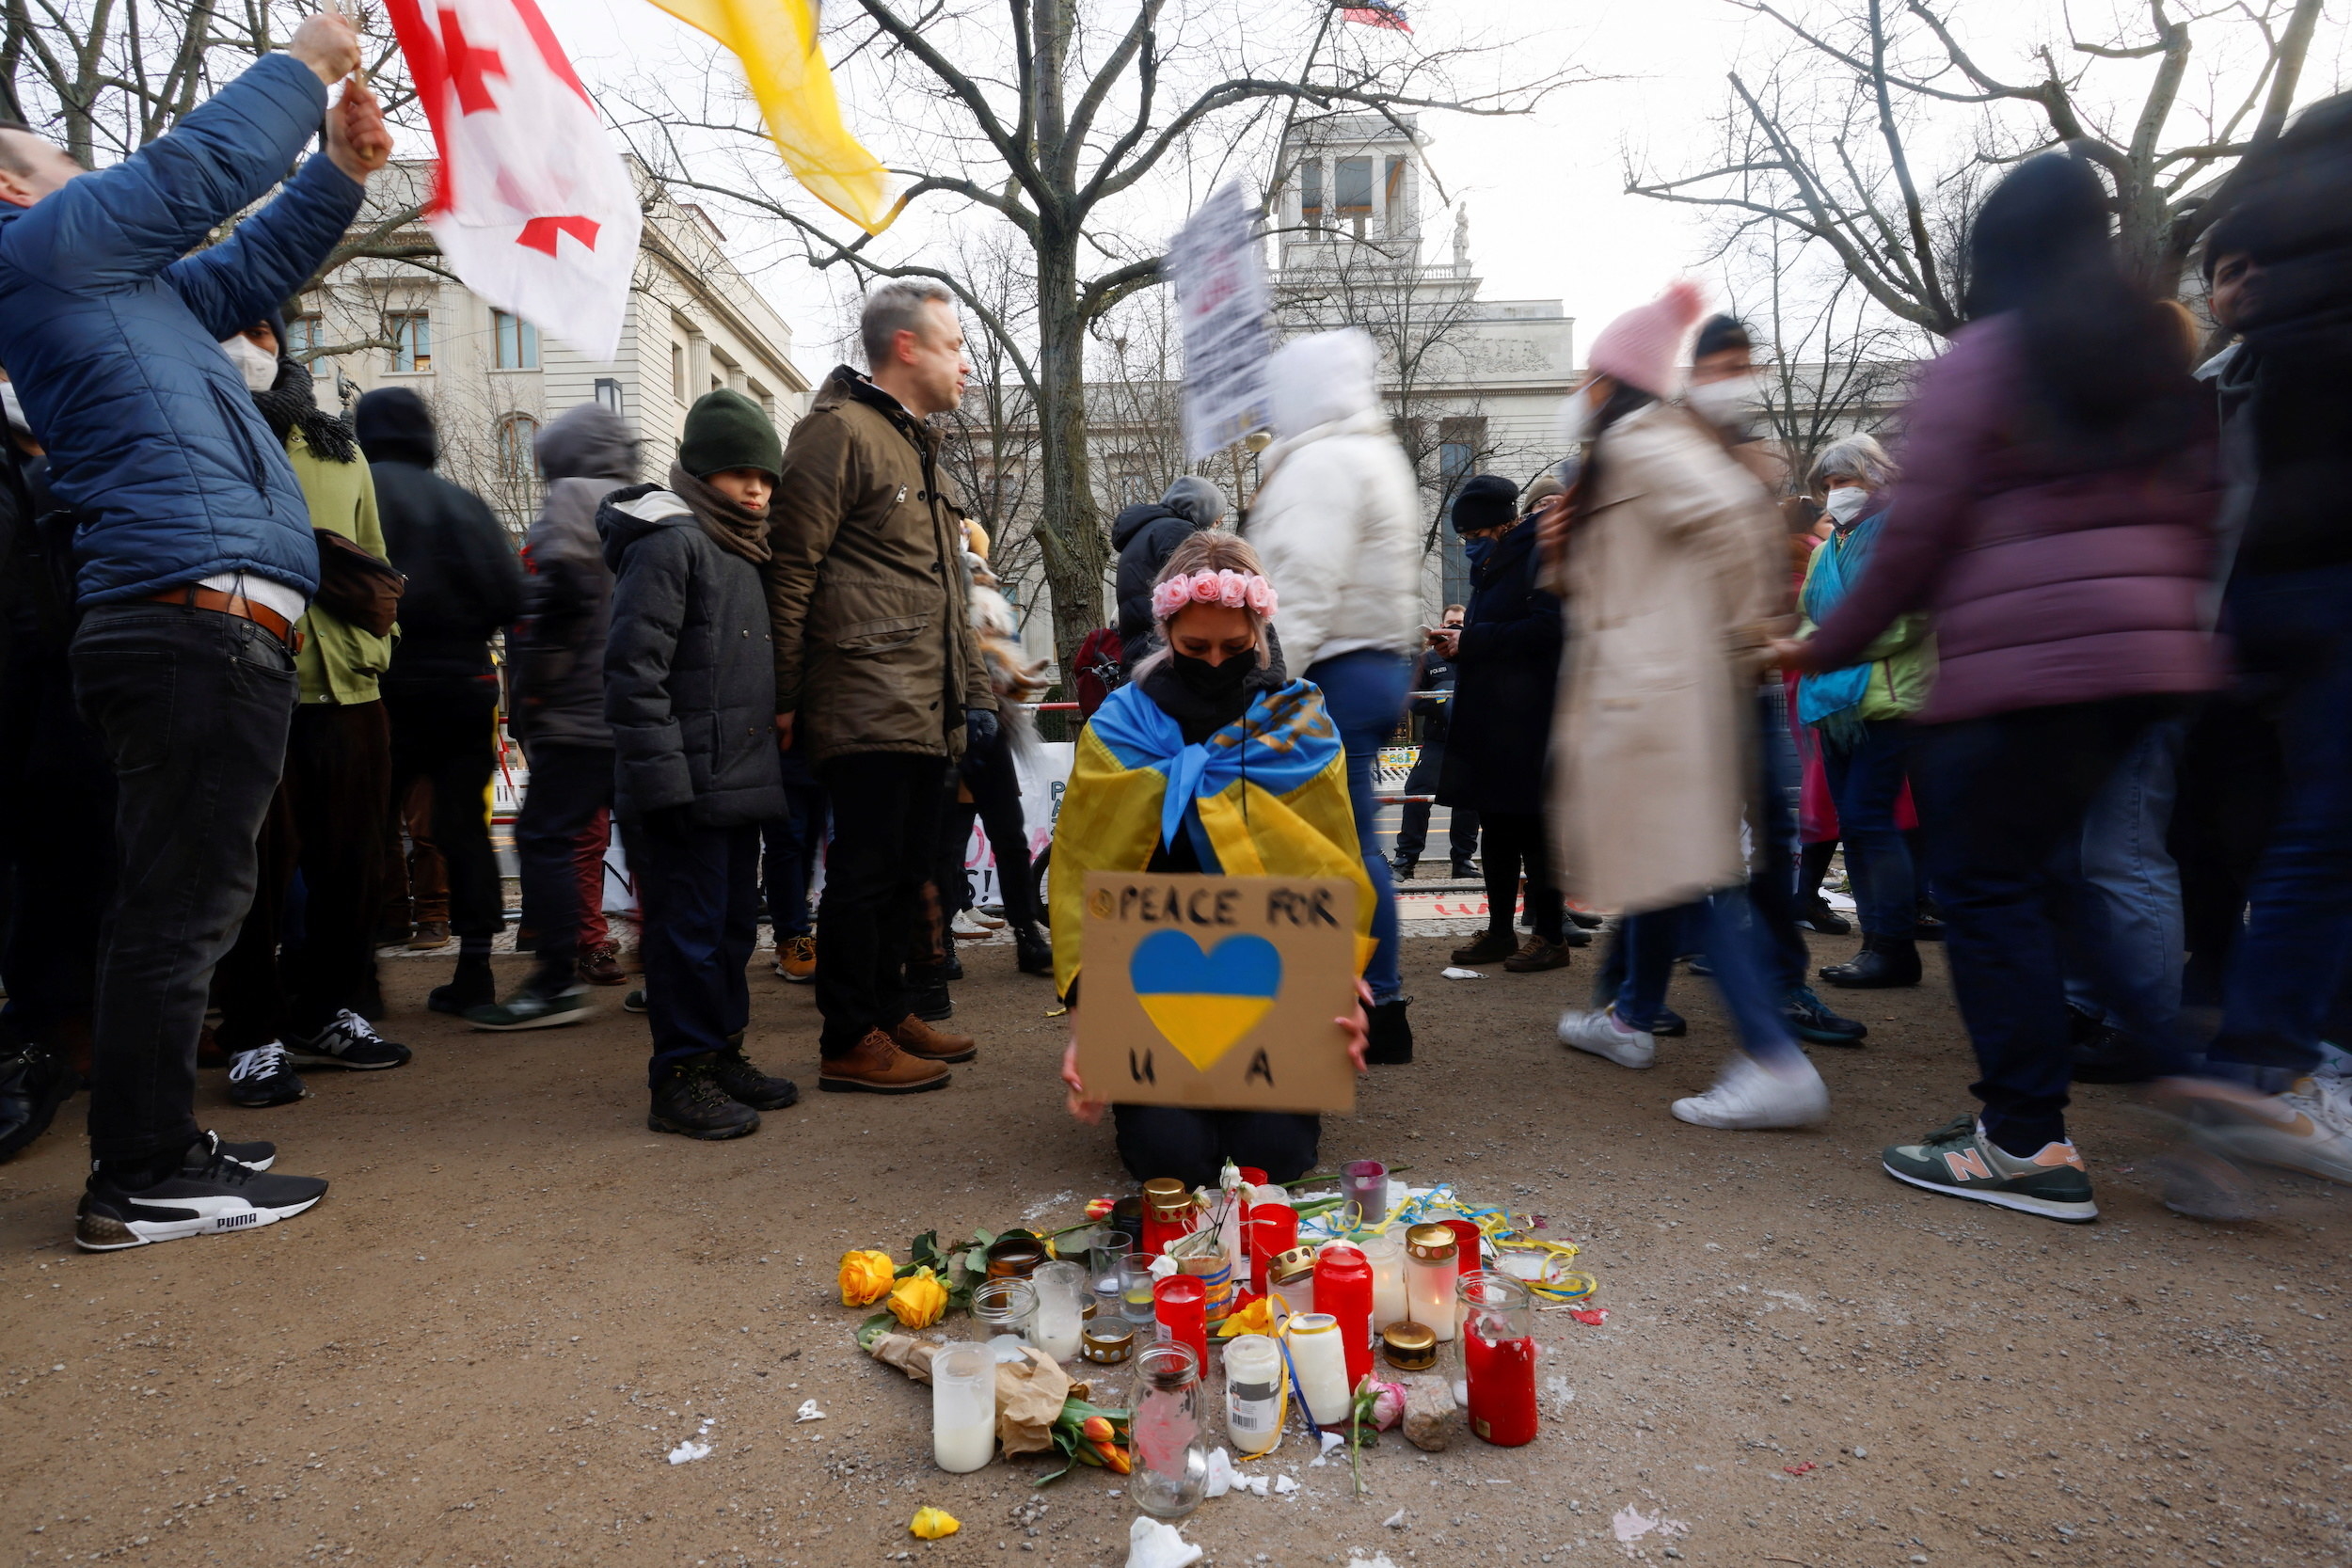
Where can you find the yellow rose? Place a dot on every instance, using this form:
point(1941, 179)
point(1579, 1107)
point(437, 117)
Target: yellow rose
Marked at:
point(918, 1301)
point(866, 1278)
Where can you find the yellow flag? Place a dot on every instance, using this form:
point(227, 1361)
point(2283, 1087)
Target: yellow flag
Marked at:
point(776, 41)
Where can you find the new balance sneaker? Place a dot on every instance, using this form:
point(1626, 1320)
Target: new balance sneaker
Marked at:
point(1748, 1096)
point(210, 1194)
point(1960, 1160)
point(796, 959)
point(538, 1004)
point(346, 1040)
point(2308, 1128)
point(262, 1077)
point(1809, 1019)
point(740, 1081)
point(1603, 1036)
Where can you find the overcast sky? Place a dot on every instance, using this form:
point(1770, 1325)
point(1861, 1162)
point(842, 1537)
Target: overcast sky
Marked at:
point(1548, 216)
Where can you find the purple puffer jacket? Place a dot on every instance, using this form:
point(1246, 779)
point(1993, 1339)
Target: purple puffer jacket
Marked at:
point(2049, 586)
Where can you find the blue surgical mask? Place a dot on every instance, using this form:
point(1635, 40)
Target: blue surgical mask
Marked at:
point(1476, 550)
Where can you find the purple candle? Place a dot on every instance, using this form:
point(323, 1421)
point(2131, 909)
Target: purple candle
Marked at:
point(1365, 1184)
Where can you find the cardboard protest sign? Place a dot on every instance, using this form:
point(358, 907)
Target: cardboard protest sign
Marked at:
point(1217, 992)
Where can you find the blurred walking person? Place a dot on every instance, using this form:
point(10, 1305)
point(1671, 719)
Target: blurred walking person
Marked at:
point(1337, 521)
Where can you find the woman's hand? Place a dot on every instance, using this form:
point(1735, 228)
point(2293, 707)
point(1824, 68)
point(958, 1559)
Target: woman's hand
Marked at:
point(1090, 1110)
point(1357, 1025)
point(1792, 656)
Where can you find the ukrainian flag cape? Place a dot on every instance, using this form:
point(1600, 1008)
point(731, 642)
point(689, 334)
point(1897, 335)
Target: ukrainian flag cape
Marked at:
point(1267, 796)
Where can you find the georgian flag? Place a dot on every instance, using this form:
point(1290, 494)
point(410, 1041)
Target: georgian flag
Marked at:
point(532, 207)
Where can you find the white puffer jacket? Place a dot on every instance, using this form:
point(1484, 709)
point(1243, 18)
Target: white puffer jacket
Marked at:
point(1337, 519)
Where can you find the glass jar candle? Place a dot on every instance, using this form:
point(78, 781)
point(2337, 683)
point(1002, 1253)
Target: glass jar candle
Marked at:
point(1135, 1289)
point(1062, 1296)
point(1179, 1303)
point(1364, 1183)
point(1430, 1276)
point(1292, 1276)
point(1321, 1362)
point(1253, 1393)
point(1344, 1290)
point(1498, 1356)
point(963, 1407)
point(1014, 1257)
point(1172, 1470)
point(1385, 1253)
point(1103, 1259)
point(1468, 1241)
point(1006, 1307)
point(1272, 1231)
point(1168, 1212)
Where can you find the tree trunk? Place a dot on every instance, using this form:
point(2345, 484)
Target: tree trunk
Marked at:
point(1070, 530)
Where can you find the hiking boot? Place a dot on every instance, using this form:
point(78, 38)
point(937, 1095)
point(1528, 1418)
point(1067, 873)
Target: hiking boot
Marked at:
point(690, 1103)
point(1815, 914)
point(208, 1193)
point(430, 936)
point(796, 961)
point(1958, 1159)
point(877, 1065)
point(1808, 1020)
point(1032, 953)
point(746, 1084)
point(544, 1002)
point(33, 1083)
point(927, 998)
point(1535, 955)
point(1882, 963)
point(1603, 1036)
point(1749, 1096)
point(1389, 1034)
point(1401, 866)
point(1492, 948)
point(261, 1077)
point(601, 966)
point(918, 1038)
point(473, 986)
point(1464, 871)
point(346, 1040)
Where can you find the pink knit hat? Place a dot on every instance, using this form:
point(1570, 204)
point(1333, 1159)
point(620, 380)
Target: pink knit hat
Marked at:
point(1641, 347)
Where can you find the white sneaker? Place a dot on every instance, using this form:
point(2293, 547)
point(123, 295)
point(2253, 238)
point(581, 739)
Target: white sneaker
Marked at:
point(971, 923)
point(1603, 1036)
point(2308, 1128)
point(1749, 1095)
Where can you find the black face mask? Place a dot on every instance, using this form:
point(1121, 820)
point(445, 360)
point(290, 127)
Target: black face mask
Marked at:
point(1211, 681)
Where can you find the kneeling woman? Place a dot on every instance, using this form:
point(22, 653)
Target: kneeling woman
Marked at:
point(1208, 760)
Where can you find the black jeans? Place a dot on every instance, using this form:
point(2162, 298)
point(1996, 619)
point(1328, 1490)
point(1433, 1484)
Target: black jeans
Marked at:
point(997, 802)
point(886, 831)
point(793, 841)
point(56, 838)
point(446, 734)
point(1412, 833)
point(569, 784)
point(1996, 796)
point(699, 889)
point(1193, 1146)
point(193, 707)
point(1514, 841)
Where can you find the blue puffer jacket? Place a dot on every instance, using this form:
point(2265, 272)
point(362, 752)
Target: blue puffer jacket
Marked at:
point(111, 330)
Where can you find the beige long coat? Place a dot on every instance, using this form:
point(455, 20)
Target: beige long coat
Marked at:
point(1671, 585)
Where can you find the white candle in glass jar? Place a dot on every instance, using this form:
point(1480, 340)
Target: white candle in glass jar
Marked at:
point(1059, 1331)
point(963, 1407)
point(1430, 1277)
point(1389, 1302)
point(1322, 1364)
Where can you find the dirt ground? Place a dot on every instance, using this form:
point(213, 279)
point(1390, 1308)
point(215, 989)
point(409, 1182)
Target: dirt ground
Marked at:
point(516, 1302)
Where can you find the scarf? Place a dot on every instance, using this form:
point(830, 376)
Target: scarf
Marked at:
point(734, 528)
point(1831, 701)
point(292, 404)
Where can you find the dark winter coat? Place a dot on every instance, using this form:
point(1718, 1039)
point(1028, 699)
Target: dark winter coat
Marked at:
point(690, 684)
point(2051, 583)
point(111, 320)
point(556, 657)
point(464, 583)
point(1145, 535)
point(1433, 671)
point(874, 645)
point(1505, 670)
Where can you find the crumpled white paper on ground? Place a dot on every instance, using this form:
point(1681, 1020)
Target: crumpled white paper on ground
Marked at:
point(1153, 1544)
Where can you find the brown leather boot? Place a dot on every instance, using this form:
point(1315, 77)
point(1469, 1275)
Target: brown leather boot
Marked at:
point(918, 1038)
point(879, 1067)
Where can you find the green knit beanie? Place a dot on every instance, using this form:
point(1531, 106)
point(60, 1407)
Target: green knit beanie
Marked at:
point(726, 430)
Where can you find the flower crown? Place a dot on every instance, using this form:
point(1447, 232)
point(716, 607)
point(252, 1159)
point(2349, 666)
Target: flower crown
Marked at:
point(1233, 590)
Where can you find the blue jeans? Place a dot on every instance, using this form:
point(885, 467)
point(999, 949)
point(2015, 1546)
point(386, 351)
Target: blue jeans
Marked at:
point(2293, 632)
point(2123, 935)
point(1865, 777)
point(1723, 928)
point(1772, 885)
point(1364, 693)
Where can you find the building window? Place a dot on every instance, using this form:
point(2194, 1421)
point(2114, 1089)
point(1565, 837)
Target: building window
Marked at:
point(411, 332)
point(519, 341)
point(517, 459)
point(678, 372)
point(305, 335)
point(1354, 186)
point(1311, 193)
point(609, 393)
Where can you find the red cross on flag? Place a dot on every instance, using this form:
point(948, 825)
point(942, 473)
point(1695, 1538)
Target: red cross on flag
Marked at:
point(532, 207)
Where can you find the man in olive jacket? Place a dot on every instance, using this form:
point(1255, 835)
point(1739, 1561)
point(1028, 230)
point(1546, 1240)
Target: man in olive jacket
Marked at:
point(877, 670)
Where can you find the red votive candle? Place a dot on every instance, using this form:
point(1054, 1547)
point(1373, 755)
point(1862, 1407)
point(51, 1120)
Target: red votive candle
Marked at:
point(1344, 1289)
point(1466, 1238)
point(1181, 1303)
point(1273, 1230)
